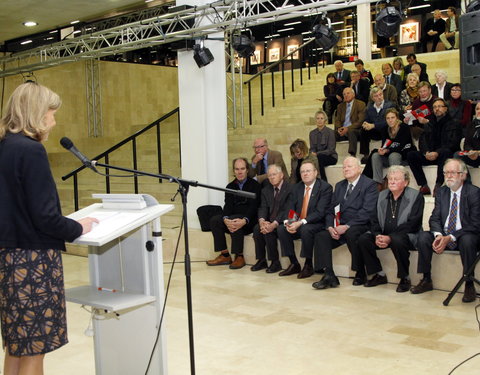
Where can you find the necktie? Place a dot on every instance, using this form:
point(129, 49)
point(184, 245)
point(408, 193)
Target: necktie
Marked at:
point(306, 198)
point(347, 121)
point(349, 191)
point(388, 79)
point(262, 167)
point(276, 204)
point(452, 220)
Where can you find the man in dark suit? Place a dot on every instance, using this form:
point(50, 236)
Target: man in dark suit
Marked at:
point(275, 196)
point(454, 225)
point(238, 218)
point(434, 27)
point(360, 86)
point(311, 201)
point(349, 119)
point(392, 79)
point(342, 76)
point(263, 158)
point(412, 59)
point(352, 205)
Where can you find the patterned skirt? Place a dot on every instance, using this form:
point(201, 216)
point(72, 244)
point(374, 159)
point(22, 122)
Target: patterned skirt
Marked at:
point(32, 301)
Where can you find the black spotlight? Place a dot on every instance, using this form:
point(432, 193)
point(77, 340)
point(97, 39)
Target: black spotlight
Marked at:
point(202, 55)
point(243, 45)
point(388, 20)
point(473, 6)
point(325, 36)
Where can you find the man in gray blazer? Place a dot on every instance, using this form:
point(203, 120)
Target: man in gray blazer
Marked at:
point(454, 225)
point(352, 205)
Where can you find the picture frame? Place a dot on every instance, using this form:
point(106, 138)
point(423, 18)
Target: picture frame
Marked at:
point(255, 58)
point(273, 54)
point(409, 32)
point(293, 47)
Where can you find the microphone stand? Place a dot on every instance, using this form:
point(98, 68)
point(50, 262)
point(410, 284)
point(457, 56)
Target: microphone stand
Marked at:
point(183, 187)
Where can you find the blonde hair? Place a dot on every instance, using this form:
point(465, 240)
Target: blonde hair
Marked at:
point(26, 109)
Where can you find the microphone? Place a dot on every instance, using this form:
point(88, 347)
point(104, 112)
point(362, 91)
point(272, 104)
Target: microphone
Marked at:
point(68, 144)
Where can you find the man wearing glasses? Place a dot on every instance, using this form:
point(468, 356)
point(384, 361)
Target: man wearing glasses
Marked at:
point(263, 158)
point(454, 225)
point(442, 136)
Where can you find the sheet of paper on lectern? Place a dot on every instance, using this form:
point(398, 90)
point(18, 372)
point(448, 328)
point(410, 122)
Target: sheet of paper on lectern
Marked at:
point(109, 221)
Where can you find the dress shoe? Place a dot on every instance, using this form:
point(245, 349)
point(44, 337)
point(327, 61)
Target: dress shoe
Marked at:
point(238, 263)
point(221, 260)
point(376, 280)
point(275, 266)
point(260, 265)
point(291, 270)
point(470, 293)
point(364, 160)
point(327, 281)
point(422, 287)
point(358, 280)
point(404, 285)
point(425, 190)
point(307, 271)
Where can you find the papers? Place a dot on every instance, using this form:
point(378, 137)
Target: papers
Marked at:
point(110, 221)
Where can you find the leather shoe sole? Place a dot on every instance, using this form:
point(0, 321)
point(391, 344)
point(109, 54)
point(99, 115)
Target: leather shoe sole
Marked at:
point(357, 281)
point(307, 271)
point(376, 280)
point(220, 261)
point(260, 265)
point(274, 267)
point(422, 287)
point(291, 270)
point(404, 286)
point(327, 282)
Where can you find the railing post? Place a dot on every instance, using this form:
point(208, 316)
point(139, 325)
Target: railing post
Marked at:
point(261, 92)
point(75, 192)
point(301, 67)
point(250, 103)
point(283, 79)
point(179, 138)
point(291, 69)
point(134, 151)
point(107, 178)
point(159, 152)
point(273, 89)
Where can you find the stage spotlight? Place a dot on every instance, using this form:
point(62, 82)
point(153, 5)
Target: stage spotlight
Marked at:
point(473, 6)
point(202, 55)
point(325, 36)
point(243, 45)
point(388, 20)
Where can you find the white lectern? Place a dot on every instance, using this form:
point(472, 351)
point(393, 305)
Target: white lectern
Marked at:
point(126, 277)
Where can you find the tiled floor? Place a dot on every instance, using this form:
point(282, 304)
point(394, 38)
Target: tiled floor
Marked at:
point(255, 323)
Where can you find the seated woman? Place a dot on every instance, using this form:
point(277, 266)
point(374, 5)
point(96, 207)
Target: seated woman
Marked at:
point(333, 96)
point(472, 141)
point(299, 153)
point(396, 144)
point(323, 144)
point(410, 93)
point(459, 109)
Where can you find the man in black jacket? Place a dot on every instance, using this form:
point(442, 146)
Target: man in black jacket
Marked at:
point(432, 30)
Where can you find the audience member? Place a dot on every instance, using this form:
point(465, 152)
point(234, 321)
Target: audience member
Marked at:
point(310, 201)
point(416, 68)
point(360, 86)
point(459, 109)
point(263, 158)
point(451, 29)
point(353, 204)
point(396, 144)
point(423, 105)
point(342, 76)
point(434, 27)
point(396, 224)
point(410, 93)
point(275, 196)
point(392, 79)
point(441, 88)
point(454, 225)
point(299, 153)
point(472, 141)
point(322, 144)
point(374, 121)
point(442, 137)
point(389, 92)
point(398, 67)
point(349, 119)
point(238, 218)
point(332, 92)
point(360, 66)
point(412, 59)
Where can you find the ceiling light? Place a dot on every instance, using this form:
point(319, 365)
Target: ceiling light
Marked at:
point(202, 55)
point(30, 23)
point(388, 20)
point(287, 29)
point(243, 44)
point(419, 6)
point(74, 22)
point(473, 6)
point(26, 42)
point(325, 36)
point(293, 23)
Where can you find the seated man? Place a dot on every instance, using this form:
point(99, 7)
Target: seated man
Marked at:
point(442, 137)
point(365, 74)
point(342, 76)
point(423, 100)
point(396, 224)
point(454, 225)
point(275, 196)
point(412, 59)
point(374, 121)
point(310, 199)
point(392, 79)
point(238, 218)
point(471, 147)
point(348, 120)
point(360, 86)
point(451, 29)
point(432, 30)
point(353, 204)
point(389, 91)
point(263, 158)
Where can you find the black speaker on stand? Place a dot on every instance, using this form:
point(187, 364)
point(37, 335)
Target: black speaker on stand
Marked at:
point(470, 55)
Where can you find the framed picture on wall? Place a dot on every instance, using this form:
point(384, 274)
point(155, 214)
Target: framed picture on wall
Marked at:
point(273, 54)
point(291, 48)
point(409, 33)
point(255, 58)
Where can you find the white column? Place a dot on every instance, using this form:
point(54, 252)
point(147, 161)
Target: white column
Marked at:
point(203, 124)
point(364, 33)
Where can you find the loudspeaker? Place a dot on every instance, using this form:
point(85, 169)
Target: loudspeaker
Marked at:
point(470, 55)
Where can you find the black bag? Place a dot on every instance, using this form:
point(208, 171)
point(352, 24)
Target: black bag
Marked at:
point(205, 213)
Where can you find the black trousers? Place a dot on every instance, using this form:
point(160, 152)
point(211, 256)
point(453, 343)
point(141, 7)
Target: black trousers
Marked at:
point(416, 160)
point(400, 246)
point(219, 229)
point(306, 233)
point(365, 137)
point(268, 241)
point(324, 244)
point(426, 38)
point(324, 161)
point(353, 136)
point(467, 244)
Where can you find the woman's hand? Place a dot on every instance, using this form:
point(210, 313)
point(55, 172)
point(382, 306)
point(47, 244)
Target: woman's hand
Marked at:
point(87, 224)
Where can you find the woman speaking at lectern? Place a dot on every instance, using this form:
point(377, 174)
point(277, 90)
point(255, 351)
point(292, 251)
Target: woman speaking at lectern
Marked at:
point(32, 234)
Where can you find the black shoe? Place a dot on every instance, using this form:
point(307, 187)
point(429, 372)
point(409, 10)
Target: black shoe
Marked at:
point(275, 266)
point(404, 285)
point(470, 293)
point(291, 270)
point(423, 286)
point(376, 280)
point(359, 279)
point(307, 271)
point(327, 281)
point(364, 160)
point(260, 265)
